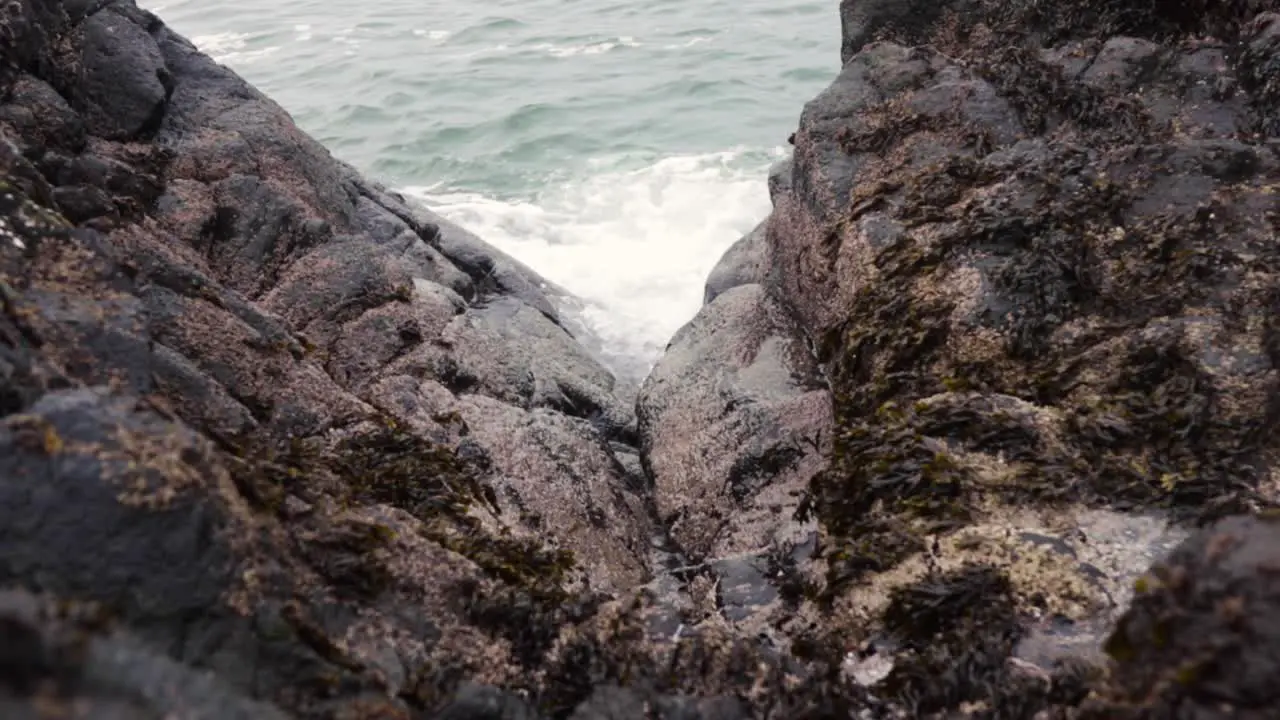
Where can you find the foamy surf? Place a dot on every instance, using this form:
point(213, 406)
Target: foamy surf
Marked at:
point(232, 48)
point(594, 48)
point(634, 245)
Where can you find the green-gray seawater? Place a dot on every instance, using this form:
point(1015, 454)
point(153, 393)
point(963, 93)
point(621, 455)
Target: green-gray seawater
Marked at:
point(616, 147)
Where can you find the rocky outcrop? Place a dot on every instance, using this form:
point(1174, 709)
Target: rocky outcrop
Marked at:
point(275, 443)
point(281, 425)
point(1032, 250)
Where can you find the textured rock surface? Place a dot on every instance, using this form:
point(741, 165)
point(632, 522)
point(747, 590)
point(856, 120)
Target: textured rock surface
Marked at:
point(274, 443)
point(284, 426)
point(733, 418)
point(1033, 248)
point(1035, 255)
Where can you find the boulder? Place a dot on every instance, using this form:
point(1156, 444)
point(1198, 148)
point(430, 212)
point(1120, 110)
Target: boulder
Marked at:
point(1201, 634)
point(732, 421)
point(67, 657)
point(314, 449)
point(123, 82)
point(1023, 245)
point(746, 262)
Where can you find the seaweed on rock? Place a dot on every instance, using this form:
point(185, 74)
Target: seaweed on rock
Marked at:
point(956, 631)
point(390, 465)
point(1092, 291)
point(1068, 310)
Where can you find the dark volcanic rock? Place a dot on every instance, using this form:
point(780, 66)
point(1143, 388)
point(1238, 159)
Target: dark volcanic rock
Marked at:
point(1033, 249)
point(122, 78)
point(315, 452)
point(217, 417)
point(64, 660)
point(862, 21)
point(84, 470)
point(1202, 637)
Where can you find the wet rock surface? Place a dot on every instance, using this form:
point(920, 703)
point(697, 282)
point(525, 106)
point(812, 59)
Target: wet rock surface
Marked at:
point(276, 443)
point(301, 440)
point(733, 419)
point(1032, 249)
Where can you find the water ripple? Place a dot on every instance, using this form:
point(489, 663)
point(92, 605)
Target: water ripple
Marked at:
point(590, 138)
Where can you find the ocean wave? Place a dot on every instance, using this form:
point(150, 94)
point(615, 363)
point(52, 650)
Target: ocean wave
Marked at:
point(231, 47)
point(635, 245)
point(593, 48)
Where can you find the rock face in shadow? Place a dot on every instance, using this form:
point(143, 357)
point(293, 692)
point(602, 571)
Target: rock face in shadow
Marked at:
point(1201, 636)
point(66, 660)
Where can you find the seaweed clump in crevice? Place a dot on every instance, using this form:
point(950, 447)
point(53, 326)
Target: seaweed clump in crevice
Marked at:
point(738, 677)
point(533, 601)
point(393, 466)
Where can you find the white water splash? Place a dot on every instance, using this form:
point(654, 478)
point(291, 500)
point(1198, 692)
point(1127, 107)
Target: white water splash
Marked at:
point(635, 246)
point(231, 48)
point(594, 48)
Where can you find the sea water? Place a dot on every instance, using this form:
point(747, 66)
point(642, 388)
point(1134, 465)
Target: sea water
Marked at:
point(618, 148)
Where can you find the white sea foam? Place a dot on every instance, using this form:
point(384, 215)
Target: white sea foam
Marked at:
point(635, 246)
point(229, 48)
point(436, 35)
point(695, 40)
point(595, 48)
